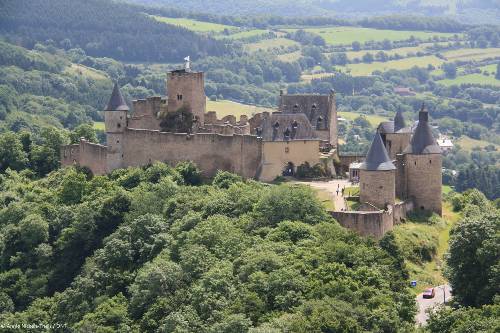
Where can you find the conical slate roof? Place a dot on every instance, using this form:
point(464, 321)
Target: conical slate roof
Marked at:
point(422, 141)
point(377, 158)
point(399, 121)
point(116, 101)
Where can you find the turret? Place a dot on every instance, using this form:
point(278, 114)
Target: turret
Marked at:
point(377, 176)
point(423, 163)
point(115, 120)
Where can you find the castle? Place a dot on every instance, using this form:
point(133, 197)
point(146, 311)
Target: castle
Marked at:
point(263, 147)
point(401, 172)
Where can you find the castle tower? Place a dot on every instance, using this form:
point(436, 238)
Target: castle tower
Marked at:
point(115, 120)
point(377, 176)
point(395, 135)
point(422, 164)
point(186, 88)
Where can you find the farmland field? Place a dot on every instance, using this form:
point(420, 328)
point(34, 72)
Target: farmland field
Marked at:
point(225, 107)
point(472, 79)
point(347, 35)
point(246, 34)
point(403, 51)
point(289, 57)
point(468, 143)
point(268, 44)
point(195, 25)
point(472, 54)
point(363, 69)
point(374, 120)
point(98, 125)
point(77, 69)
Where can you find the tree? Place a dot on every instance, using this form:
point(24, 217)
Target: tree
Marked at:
point(85, 131)
point(12, 154)
point(473, 263)
point(450, 70)
point(356, 46)
point(189, 172)
point(180, 121)
point(368, 58)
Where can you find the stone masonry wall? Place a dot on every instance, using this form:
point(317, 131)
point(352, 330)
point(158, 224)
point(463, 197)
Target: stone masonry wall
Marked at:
point(191, 86)
point(240, 154)
point(395, 143)
point(374, 224)
point(424, 181)
point(90, 155)
point(277, 154)
point(377, 187)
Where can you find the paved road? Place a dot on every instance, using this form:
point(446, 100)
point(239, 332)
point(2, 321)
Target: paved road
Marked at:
point(331, 187)
point(424, 304)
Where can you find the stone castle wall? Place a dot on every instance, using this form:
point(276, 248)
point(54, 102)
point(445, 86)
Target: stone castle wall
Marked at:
point(423, 180)
point(395, 143)
point(146, 111)
point(277, 154)
point(91, 155)
point(240, 154)
point(375, 223)
point(377, 187)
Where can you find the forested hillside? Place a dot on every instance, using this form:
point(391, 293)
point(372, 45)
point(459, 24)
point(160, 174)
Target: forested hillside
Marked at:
point(472, 11)
point(94, 254)
point(102, 29)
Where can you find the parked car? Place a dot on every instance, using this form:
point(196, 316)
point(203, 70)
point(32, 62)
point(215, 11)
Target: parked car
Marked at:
point(429, 293)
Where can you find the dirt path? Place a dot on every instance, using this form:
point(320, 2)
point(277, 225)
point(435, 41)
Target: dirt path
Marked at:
point(331, 187)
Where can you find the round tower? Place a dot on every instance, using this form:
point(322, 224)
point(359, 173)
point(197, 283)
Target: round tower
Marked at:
point(422, 163)
point(115, 120)
point(377, 176)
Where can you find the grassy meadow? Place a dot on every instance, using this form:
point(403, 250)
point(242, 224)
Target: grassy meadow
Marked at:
point(224, 108)
point(198, 26)
point(363, 69)
point(270, 44)
point(347, 35)
point(373, 119)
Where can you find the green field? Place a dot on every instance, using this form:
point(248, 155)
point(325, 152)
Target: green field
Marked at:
point(224, 108)
point(290, 57)
point(246, 34)
point(472, 54)
point(469, 144)
point(472, 79)
point(195, 25)
point(374, 119)
point(347, 35)
point(98, 125)
point(363, 69)
point(270, 44)
point(95, 74)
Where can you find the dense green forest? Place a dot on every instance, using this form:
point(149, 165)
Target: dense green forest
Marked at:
point(230, 256)
point(474, 11)
point(472, 267)
point(102, 28)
